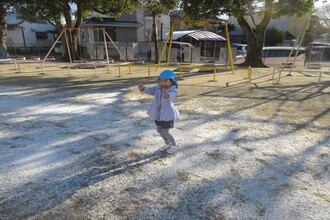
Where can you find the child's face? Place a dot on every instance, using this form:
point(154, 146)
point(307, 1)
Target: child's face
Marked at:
point(165, 83)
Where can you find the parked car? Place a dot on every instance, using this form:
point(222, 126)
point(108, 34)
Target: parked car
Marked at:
point(319, 51)
point(181, 47)
point(277, 56)
point(241, 48)
point(58, 47)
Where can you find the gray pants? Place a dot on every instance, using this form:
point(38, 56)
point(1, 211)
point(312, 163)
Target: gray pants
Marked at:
point(167, 137)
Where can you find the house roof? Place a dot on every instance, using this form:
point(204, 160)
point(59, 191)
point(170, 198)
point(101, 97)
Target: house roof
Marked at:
point(13, 20)
point(198, 35)
point(207, 36)
point(111, 22)
point(178, 34)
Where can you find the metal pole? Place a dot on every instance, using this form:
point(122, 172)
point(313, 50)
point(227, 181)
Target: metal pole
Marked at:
point(163, 50)
point(67, 44)
point(96, 73)
point(170, 48)
point(230, 54)
point(59, 37)
point(214, 73)
point(121, 55)
point(320, 76)
point(299, 45)
point(279, 76)
point(180, 72)
point(106, 49)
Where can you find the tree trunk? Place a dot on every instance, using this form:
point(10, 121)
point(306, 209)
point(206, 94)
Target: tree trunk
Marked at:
point(256, 39)
point(255, 42)
point(155, 36)
point(71, 37)
point(3, 29)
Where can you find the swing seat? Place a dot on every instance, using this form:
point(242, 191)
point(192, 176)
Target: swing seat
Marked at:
point(287, 65)
point(314, 66)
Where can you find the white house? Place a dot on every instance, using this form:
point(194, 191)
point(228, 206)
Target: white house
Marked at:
point(131, 31)
point(129, 27)
point(29, 36)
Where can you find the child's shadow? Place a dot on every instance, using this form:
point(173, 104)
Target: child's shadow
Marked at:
point(129, 165)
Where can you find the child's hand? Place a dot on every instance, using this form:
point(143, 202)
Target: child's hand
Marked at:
point(141, 87)
point(165, 93)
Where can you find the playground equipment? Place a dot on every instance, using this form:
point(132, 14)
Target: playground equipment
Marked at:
point(317, 59)
point(207, 47)
point(93, 48)
point(195, 50)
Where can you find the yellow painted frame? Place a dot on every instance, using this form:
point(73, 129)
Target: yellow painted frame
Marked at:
point(249, 69)
point(170, 38)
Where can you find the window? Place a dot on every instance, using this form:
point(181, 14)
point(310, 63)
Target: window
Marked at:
point(42, 35)
point(10, 28)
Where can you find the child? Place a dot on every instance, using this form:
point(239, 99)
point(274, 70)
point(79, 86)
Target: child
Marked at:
point(162, 109)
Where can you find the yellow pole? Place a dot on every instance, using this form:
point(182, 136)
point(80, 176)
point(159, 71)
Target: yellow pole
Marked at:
point(119, 75)
point(230, 54)
point(180, 72)
point(148, 71)
point(250, 74)
point(214, 73)
point(164, 49)
point(170, 47)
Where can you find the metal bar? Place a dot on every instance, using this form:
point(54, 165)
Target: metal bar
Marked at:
point(279, 76)
point(67, 45)
point(121, 55)
point(230, 54)
point(180, 72)
point(59, 37)
point(250, 74)
point(106, 48)
point(320, 76)
point(96, 73)
point(214, 74)
point(163, 50)
point(170, 47)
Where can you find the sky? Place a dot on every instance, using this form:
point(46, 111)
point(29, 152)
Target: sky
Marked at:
point(321, 2)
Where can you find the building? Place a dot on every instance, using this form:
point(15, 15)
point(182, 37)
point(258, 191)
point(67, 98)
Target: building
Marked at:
point(26, 36)
point(131, 32)
point(129, 27)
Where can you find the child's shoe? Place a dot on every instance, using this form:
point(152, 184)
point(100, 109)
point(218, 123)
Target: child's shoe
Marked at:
point(165, 147)
point(173, 149)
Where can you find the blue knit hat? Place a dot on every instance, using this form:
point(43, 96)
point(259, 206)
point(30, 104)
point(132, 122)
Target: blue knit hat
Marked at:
point(168, 74)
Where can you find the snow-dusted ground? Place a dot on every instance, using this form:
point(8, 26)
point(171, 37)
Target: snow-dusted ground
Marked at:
point(93, 154)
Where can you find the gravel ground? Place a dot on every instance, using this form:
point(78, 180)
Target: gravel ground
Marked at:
point(82, 147)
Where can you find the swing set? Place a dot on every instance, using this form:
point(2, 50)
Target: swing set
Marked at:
point(90, 49)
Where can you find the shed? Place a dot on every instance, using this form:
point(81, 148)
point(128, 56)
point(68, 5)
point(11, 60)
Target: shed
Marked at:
point(208, 42)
